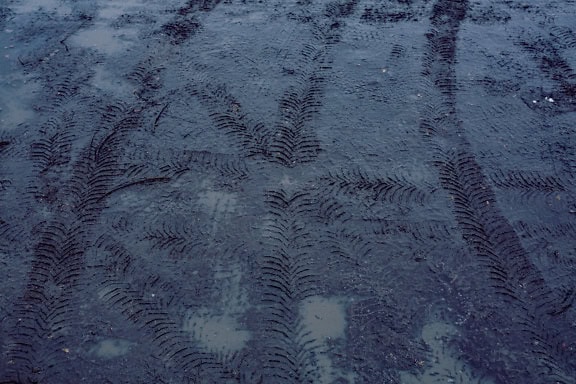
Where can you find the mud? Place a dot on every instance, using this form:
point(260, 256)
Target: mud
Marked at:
point(347, 191)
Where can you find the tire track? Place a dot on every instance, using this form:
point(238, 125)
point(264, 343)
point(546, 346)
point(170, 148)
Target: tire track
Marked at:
point(143, 297)
point(5, 183)
point(228, 259)
point(40, 334)
point(547, 53)
point(291, 141)
point(42, 338)
point(555, 101)
point(186, 23)
point(394, 11)
point(392, 189)
point(483, 226)
point(289, 277)
point(152, 302)
point(529, 187)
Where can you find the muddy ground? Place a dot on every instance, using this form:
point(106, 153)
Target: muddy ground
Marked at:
point(349, 191)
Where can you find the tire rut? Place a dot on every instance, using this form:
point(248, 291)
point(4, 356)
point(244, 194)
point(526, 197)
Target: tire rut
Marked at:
point(483, 226)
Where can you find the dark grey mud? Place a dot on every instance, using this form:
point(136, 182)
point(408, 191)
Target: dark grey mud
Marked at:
point(346, 191)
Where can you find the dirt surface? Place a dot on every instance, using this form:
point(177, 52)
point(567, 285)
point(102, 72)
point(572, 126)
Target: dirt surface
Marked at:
point(346, 191)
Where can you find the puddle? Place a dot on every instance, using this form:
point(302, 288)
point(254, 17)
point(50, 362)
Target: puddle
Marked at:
point(17, 91)
point(111, 348)
point(106, 81)
point(104, 39)
point(16, 96)
point(325, 319)
point(109, 40)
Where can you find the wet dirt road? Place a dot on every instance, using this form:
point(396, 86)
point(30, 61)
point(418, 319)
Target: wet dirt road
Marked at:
point(345, 191)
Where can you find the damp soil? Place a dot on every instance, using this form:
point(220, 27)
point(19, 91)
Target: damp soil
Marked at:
point(348, 191)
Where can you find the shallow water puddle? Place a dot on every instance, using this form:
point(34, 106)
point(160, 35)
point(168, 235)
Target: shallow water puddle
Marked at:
point(16, 95)
point(104, 39)
point(325, 319)
point(111, 348)
point(106, 81)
